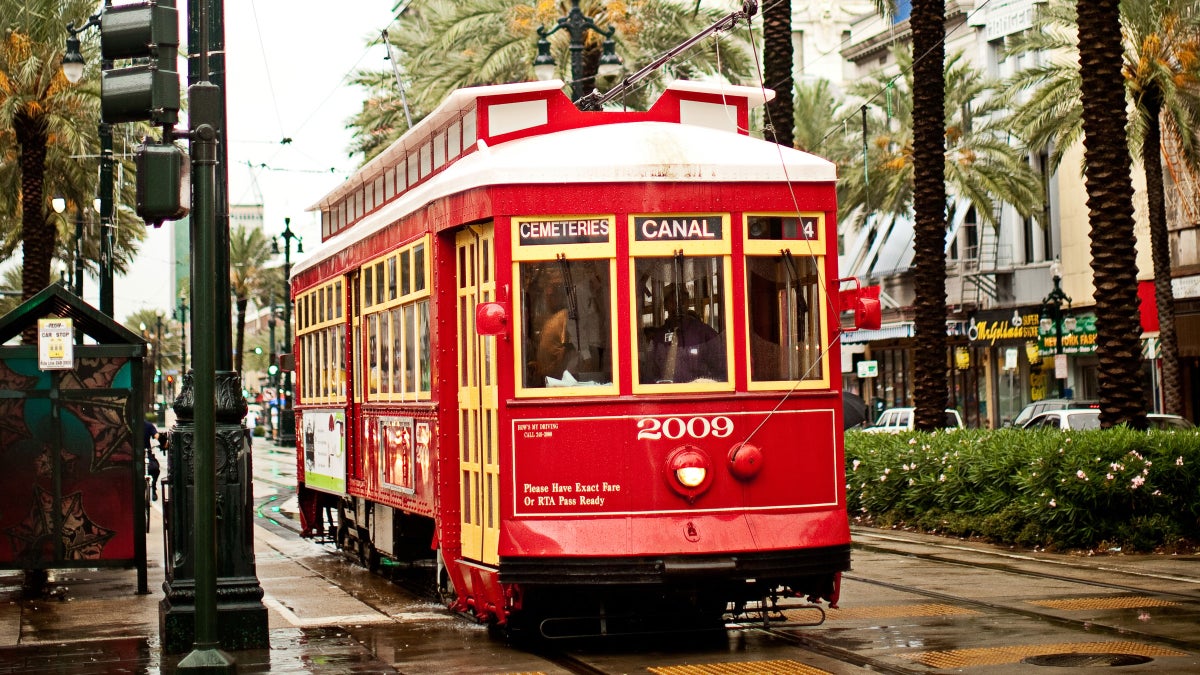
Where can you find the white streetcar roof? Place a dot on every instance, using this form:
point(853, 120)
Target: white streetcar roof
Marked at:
point(694, 133)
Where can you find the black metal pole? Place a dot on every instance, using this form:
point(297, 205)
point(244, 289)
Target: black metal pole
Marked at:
point(106, 218)
point(183, 308)
point(272, 377)
point(211, 43)
point(206, 654)
point(287, 422)
point(1058, 349)
point(161, 387)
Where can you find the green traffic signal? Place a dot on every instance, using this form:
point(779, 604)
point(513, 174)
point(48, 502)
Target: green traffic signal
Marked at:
point(272, 369)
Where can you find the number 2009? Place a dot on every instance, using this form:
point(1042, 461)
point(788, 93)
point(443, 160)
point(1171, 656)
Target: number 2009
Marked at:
point(673, 428)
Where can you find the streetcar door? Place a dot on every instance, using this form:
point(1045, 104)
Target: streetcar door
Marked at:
point(354, 392)
point(478, 445)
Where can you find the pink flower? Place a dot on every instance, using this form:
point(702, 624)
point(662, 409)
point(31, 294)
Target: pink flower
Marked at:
point(1081, 475)
point(856, 463)
point(1108, 476)
point(1179, 461)
point(1137, 482)
point(1053, 504)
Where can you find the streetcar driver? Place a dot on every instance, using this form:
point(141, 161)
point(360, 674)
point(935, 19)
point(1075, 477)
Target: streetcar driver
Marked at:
point(684, 348)
point(552, 350)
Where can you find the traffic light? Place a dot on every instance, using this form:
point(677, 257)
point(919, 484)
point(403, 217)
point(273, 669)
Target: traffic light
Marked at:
point(163, 182)
point(272, 370)
point(157, 375)
point(149, 89)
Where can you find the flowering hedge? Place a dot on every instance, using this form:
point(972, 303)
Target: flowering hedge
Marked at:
point(1080, 489)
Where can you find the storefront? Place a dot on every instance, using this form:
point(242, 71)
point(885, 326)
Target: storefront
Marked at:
point(998, 365)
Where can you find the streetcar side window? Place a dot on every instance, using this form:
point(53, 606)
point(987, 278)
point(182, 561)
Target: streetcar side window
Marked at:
point(681, 316)
point(782, 306)
point(566, 326)
point(397, 326)
point(321, 362)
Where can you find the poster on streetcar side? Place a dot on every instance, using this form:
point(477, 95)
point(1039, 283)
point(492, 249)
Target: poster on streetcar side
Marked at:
point(396, 453)
point(325, 450)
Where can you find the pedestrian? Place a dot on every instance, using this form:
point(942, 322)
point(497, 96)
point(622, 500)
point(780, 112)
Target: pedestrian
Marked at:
point(151, 433)
point(152, 470)
point(152, 465)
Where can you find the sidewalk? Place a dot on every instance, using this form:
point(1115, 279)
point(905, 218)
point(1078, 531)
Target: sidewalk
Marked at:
point(93, 621)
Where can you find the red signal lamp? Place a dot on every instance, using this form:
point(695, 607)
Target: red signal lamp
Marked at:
point(745, 461)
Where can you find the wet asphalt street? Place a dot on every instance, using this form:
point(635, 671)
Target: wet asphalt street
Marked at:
point(912, 604)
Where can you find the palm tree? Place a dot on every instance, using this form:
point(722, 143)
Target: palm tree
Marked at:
point(46, 126)
point(446, 45)
point(1162, 38)
point(777, 71)
point(249, 257)
point(981, 164)
point(1110, 206)
point(930, 389)
point(39, 108)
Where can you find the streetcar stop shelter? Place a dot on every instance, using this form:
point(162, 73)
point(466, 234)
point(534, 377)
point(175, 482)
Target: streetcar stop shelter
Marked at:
point(72, 492)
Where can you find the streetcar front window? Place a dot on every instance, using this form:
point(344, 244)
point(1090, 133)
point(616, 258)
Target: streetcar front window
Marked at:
point(566, 323)
point(681, 319)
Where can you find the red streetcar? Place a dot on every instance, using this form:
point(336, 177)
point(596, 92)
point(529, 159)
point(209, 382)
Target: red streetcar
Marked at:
point(584, 361)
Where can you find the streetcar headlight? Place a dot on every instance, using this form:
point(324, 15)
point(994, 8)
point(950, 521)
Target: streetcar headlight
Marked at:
point(688, 471)
point(691, 476)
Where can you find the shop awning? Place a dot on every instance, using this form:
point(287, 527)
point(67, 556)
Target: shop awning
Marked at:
point(888, 332)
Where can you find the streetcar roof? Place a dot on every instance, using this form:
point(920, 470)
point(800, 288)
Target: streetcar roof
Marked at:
point(648, 151)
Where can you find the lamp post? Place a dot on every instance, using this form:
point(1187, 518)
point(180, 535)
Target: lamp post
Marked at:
point(287, 423)
point(72, 65)
point(181, 314)
point(272, 369)
point(1053, 320)
point(577, 26)
point(160, 385)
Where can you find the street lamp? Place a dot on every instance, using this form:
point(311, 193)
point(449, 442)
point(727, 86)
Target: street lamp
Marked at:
point(1053, 319)
point(160, 384)
point(181, 314)
point(73, 65)
point(287, 423)
point(577, 26)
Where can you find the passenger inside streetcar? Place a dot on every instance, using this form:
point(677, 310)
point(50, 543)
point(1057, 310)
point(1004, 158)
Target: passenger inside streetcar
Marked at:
point(566, 323)
point(683, 345)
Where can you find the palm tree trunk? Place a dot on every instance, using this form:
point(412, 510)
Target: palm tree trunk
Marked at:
point(777, 71)
point(930, 392)
point(1160, 253)
point(1110, 209)
point(37, 237)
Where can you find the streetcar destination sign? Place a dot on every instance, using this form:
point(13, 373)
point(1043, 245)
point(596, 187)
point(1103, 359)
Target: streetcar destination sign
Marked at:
point(565, 231)
point(677, 228)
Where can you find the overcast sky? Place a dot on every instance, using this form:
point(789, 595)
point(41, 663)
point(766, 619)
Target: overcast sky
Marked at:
point(288, 64)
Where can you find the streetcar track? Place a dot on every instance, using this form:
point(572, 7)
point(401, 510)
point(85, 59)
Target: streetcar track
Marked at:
point(829, 650)
point(1000, 567)
point(1089, 626)
point(858, 533)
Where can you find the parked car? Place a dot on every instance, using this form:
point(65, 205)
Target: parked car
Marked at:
point(895, 420)
point(1046, 404)
point(1165, 421)
point(1067, 419)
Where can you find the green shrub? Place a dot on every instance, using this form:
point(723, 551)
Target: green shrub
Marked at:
point(1078, 489)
